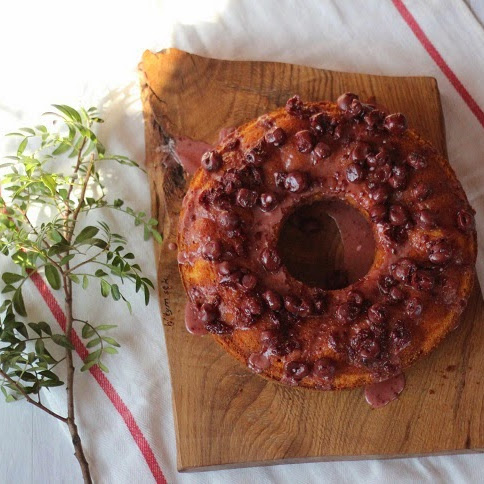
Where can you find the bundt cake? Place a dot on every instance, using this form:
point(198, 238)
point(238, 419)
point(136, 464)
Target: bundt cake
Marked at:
point(348, 152)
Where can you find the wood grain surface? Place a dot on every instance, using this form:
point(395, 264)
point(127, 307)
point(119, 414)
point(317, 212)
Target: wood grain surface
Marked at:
point(226, 416)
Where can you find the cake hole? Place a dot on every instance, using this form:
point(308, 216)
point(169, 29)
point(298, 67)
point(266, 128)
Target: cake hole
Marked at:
point(327, 244)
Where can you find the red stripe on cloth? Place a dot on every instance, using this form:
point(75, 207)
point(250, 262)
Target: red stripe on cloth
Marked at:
point(103, 381)
point(439, 60)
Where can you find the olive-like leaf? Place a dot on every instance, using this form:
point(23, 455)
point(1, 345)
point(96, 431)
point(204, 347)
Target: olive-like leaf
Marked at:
point(53, 276)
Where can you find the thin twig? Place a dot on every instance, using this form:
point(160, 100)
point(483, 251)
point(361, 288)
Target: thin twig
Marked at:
point(31, 400)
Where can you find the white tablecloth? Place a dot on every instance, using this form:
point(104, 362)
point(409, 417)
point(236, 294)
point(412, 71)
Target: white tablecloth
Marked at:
point(87, 53)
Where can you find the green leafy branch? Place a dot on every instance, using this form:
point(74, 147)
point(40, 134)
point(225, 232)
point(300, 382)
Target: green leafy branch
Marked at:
point(44, 230)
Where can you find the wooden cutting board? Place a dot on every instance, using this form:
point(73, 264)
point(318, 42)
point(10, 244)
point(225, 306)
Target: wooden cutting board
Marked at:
point(226, 416)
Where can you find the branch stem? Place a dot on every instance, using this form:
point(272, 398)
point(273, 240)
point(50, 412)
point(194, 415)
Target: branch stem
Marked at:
point(31, 400)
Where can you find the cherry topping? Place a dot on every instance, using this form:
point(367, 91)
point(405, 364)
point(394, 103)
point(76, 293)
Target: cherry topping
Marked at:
point(268, 202)
point(212, 250)
point(318, 123)
point(403, 269)
point(229, 220)
point(252, 305)
point(377, 313)
point(355, 297)
point(208, 313)
point(380, 194)
point(440, 253)
point(297, 306)
point(304, 141)
point(416, 161)
point(413, 307)
point(276, 136)
point(395, 123)
point(321, 150)
point(374, 118)
point(360, 151)
point(272, 299)
point(345, 100)
point(211, 160)
point(421, 191)
point(246, 198)
point(355, 173)
point(296, 182)
point(324, 368)
point(249, 281)
point(347, 312)
point(378, 213)
point(296, 369)
point(423, 280)
point(425, 218)
point(270, 260)
point(398, 215)
point(465, 221)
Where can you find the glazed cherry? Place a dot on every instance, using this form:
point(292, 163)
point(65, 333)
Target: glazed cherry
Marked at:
point(347, 312)
point(276, 136)
point(296, 182)
point(268, 202)
point(403, 269)
point(295, 107)
point(304, 141)
point(246, 198)
point(345, 100)
point(396, 295)
point(360, 151)
point(395, 123)
point(413, 307)
point(385, 283)
point(425, 218)
point(397, 215)
point(355, 297)
point(208, 313)
point(355, 173)
point(380, 194)
point(272, 299)
point(229, 220)
point(211, 160)
point(324, 369)
point(465, 220)
point(252, 305)
point(318, 123)
point(421, 191)
point(212, 250)
point(321, 151)
point(423, 280)
point(249, 281)
point(296, 369)
point(297, 306)
point(369, 348)
point(374, 119)
point(416, 161)
point(378, 213)
point(225, 268)
point(440, 253)
point(270, 260)
point(256, 156)
point(377, 313)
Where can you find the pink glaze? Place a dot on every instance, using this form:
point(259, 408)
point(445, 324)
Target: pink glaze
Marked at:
point(192, 321)
point(172, 246)
point(190, 153)
point(382, 393)
point(356, 236)
point(258, 362)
